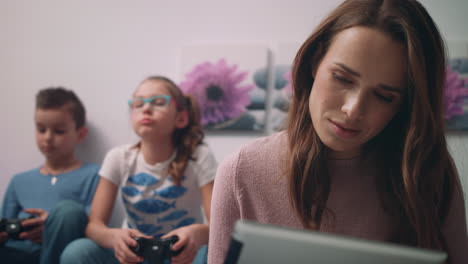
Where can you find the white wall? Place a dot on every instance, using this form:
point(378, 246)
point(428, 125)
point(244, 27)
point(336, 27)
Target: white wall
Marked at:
point(102, 49)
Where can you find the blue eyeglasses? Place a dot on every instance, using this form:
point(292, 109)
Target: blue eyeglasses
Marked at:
point(156, 102)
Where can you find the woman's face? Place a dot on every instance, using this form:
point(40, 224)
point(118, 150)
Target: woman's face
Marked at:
point(358, 88)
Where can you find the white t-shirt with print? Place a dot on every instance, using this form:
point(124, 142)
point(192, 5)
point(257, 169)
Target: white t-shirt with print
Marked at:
point(154, 204)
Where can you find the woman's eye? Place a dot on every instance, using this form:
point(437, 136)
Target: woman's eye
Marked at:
point(386, 99)
point(341, 79)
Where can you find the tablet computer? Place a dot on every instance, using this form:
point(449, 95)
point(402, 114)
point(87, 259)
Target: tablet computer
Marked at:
point(262, 243)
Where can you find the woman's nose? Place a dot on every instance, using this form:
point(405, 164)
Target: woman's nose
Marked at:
point(354, 105)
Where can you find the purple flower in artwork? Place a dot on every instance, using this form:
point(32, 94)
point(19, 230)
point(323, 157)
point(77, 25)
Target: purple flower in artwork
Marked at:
point(219, 91)
point(288, 88)
point(454, 94)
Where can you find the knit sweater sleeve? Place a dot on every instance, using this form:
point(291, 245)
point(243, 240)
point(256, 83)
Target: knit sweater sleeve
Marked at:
point(224, 209)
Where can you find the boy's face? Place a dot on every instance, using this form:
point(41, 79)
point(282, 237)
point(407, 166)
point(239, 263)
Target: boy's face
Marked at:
point(56, 133)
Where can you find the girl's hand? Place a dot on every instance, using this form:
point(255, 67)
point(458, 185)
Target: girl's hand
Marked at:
point(123, 240)
point(36, 224)
point(191, 237)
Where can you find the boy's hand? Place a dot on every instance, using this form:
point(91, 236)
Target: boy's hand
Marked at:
point(37, 225)
point(123, 239)
point(191, 237)
point(3, 237)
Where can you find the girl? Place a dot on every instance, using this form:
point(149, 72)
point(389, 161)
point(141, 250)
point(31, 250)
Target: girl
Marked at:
point(364, 153)
point(164, 179)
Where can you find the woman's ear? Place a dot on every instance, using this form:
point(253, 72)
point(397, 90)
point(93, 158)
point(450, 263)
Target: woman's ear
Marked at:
point(182, 119)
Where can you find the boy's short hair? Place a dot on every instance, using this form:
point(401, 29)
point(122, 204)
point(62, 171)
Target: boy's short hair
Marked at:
point(57, 97)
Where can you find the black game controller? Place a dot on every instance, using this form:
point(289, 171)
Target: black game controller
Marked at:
point(13, 226)
point(156, 251)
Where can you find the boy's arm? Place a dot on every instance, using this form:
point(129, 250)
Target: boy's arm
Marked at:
point(89, 190)
point(10, 207)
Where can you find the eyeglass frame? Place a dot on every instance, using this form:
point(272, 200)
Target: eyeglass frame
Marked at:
point(150, 99)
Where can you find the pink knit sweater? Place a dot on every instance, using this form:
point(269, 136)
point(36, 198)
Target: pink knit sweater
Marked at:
point(251, 185)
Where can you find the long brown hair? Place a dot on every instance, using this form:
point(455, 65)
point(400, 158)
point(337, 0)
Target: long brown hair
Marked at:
point(417, 175)
point(184, 139)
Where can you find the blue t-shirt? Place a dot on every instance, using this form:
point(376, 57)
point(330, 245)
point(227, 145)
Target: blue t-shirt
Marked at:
point(31, 189)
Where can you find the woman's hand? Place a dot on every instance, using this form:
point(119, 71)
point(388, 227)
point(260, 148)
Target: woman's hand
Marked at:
point(36, 225)
point(191, 237)
point(123, 240)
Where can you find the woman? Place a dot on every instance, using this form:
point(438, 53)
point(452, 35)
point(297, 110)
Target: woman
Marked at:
point(364, 153)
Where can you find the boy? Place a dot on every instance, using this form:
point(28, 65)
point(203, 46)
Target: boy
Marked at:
point(56, 193)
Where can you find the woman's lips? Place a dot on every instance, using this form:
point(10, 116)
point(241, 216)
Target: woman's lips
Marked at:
point(343, 131)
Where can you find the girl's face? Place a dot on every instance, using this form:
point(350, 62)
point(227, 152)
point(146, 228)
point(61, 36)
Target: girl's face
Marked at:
point(358, 88)
point(152, 122)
